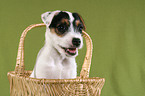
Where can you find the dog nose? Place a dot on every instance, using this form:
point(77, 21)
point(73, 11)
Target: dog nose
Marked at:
point(76, 42)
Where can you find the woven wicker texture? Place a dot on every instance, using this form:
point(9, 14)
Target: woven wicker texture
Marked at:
point(22, 85)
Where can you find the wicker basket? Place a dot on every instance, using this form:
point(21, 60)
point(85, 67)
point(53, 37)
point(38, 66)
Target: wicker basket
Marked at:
point(22, 85)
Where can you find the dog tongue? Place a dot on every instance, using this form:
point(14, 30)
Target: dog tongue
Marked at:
point(72, 50)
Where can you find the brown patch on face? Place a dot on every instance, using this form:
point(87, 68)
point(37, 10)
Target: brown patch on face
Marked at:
point(65, 21)
point(60, 24)
point(78, 17)
point(62, 27)
point(52, 30)
point(77, 22)
point(55, 31)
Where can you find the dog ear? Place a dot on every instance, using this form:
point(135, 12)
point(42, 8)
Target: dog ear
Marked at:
point(45, 19)
point(48, 16)
point(81, 19)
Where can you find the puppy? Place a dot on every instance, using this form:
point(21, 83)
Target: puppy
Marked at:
point(63, 38)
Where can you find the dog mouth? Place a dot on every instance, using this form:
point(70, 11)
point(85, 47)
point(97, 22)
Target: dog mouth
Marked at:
point(71, 51)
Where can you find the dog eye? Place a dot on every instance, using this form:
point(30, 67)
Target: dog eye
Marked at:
point(62, 28)
point(80, 28)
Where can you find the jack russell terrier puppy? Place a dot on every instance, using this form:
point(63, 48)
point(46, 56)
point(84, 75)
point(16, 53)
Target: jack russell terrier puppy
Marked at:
point(63, 38)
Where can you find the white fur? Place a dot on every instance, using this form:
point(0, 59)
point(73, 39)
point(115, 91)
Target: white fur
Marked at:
point(52, 62)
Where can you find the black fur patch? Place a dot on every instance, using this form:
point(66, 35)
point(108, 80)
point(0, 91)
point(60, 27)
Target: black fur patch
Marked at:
point(60, 23)
point(57, 19)
point(81, 25)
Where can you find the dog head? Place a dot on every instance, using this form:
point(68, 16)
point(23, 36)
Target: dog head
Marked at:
point(64, 30)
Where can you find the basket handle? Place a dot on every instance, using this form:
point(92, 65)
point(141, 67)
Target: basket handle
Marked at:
point(20, 68)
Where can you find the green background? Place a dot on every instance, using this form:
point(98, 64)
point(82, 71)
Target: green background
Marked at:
point(117, 28)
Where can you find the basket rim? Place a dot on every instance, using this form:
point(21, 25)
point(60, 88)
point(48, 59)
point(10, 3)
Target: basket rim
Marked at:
point(11, 74)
